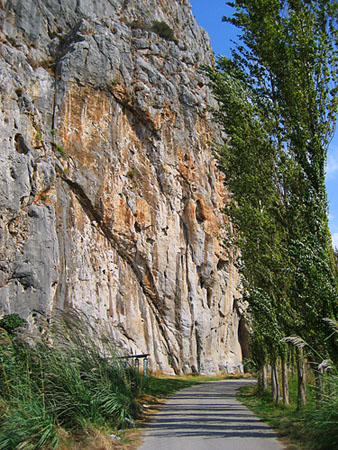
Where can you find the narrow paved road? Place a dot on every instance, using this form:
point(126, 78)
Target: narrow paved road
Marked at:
point(208, 417)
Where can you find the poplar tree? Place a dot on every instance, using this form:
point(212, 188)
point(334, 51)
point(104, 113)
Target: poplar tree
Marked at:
point(277, 100)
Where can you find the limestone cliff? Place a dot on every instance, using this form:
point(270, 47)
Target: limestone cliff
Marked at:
point(109, 196)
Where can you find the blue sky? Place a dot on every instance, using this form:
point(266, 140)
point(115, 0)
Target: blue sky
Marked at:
point(210, 18)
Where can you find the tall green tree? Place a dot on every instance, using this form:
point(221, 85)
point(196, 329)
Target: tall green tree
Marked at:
point(277, 100)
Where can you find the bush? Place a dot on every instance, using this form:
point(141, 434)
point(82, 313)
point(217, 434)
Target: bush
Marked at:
point(28, 425)
point(77, 384)
point(132, 173)
point(163, 30)
point(11, 323)
point(61, 150)
point(322, 422)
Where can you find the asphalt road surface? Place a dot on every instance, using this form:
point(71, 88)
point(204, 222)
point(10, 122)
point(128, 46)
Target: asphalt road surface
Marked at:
point(208, 417)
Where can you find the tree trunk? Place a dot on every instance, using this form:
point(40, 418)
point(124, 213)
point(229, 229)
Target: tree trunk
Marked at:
point(273, 383)
point(292, 360)
point(275, 388)
point(301, 399)
point(285, 380)
point(262, 378)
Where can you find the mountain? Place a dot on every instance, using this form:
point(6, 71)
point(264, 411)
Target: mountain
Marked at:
point(110, 199)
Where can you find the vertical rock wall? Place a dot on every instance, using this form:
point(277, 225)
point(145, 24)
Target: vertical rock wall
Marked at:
point(109, 196)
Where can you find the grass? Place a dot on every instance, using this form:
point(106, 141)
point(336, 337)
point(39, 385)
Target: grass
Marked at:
point(314, 428)
point(163, 387)
point(71, 389)
point(76, 393)
point(285, 420)
point(50, 395)
point(166, 385)
point(322, 421)
point(62, 151)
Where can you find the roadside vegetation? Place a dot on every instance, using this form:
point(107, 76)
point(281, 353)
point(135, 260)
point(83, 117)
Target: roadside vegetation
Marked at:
point(67, 387)
point(59, 390)
point(315, 427)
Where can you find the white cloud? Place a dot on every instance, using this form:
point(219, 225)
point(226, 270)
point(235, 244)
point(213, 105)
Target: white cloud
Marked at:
point(335, 240)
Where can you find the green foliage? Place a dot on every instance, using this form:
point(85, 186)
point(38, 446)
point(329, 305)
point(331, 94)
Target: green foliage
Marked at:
point(11, 323)
point(78, 383)
point(250, 366)
point(277, 100)
point(322, 422)
point(26, 424)
point(323, 419)
point(314, 428)
point(286, 421)
point(335, 263)
point(162, 387)
point(315, 295)
point(53, 395)
point(61, 150)
point(163, 29)
point(132, 173)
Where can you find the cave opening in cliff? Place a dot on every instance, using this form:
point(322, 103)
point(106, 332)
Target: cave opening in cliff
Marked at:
point(243, 339)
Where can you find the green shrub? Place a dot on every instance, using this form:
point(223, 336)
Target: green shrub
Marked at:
point(11, 323)
point(77, 384)
point(321, 422)
point(163, 29)
point(132, 173)
point(28, 425)
point(61, 150)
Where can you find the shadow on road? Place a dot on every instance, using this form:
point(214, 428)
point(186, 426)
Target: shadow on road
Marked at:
point(218, 415)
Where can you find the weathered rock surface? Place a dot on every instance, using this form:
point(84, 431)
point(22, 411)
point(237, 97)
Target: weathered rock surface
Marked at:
point(109, 196)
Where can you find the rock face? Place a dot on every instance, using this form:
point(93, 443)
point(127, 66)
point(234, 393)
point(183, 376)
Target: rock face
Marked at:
point(109, 196)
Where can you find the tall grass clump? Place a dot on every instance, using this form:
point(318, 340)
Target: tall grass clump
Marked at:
point(316, 425)
point(322, 422)
point(70, 381)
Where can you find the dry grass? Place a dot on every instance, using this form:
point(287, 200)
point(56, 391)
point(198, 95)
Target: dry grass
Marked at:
point(202, 378)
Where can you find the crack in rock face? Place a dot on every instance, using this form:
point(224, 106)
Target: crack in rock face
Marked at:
point(110, 199)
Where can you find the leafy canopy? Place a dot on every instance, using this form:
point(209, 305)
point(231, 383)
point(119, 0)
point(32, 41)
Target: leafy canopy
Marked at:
point(277, 99)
